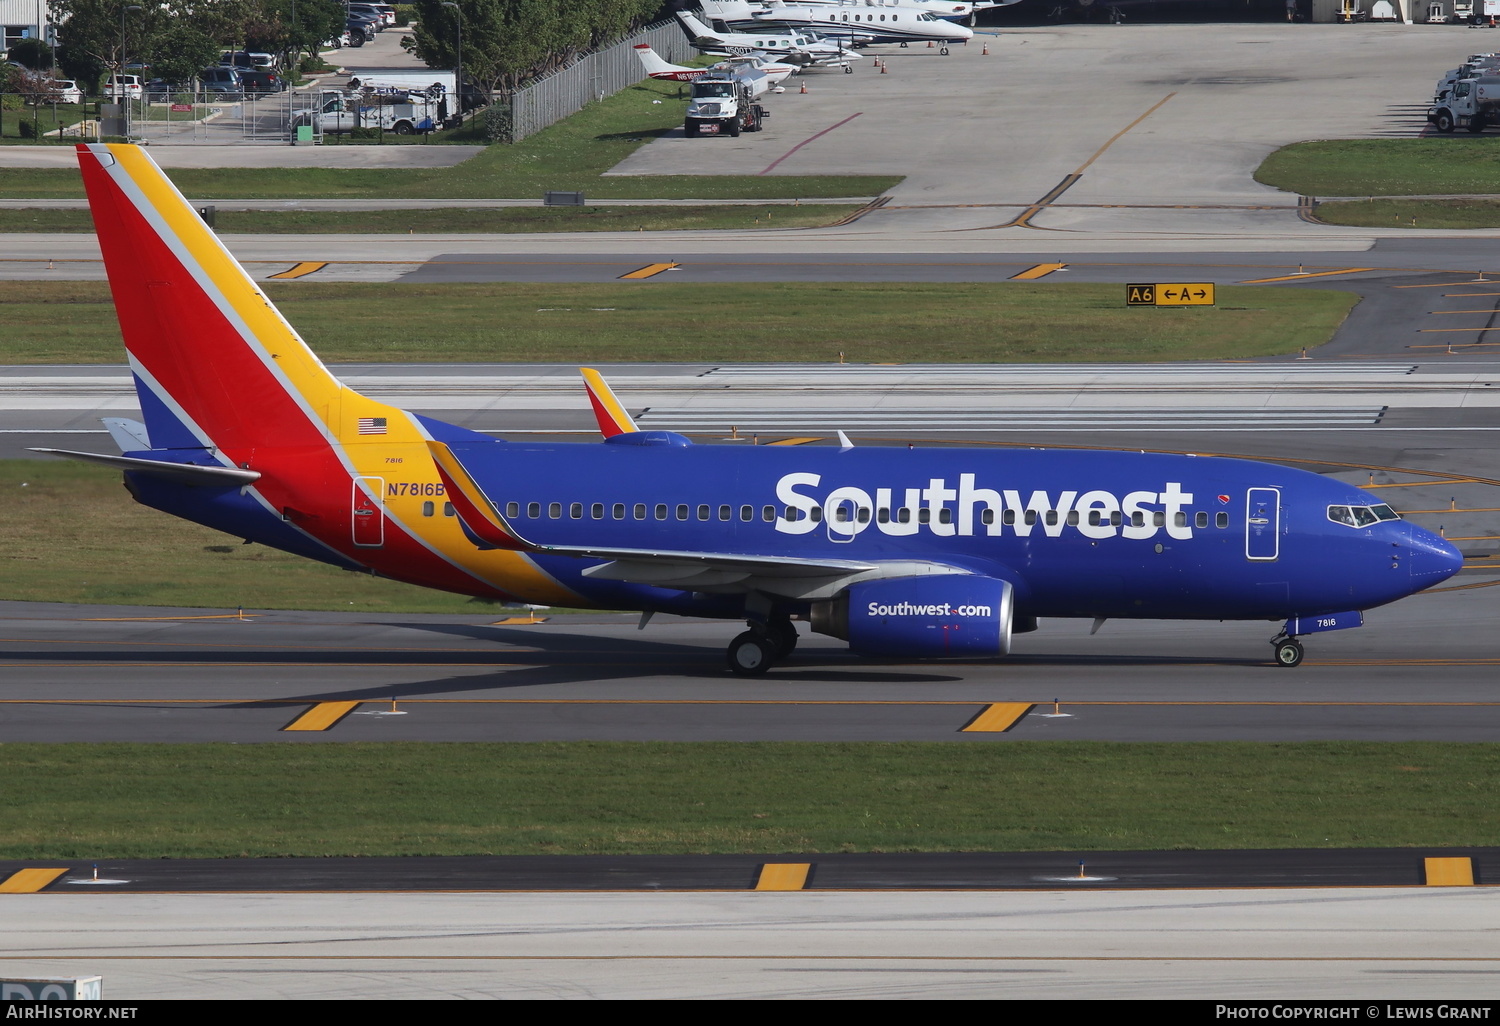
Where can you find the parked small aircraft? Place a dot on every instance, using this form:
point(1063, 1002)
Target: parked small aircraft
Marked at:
point(757, 72)
point(803, 48)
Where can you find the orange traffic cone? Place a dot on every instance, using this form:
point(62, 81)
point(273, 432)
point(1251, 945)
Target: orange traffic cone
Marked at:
point(986, 51)
point(929, 44)
point(882, 67)
point(804, 87)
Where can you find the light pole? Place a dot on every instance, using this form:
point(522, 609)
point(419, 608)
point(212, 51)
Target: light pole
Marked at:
point(120, 75)
point(458, 75)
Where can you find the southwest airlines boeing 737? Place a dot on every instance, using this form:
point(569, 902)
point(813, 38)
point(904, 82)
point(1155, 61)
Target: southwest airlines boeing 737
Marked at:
point(903, 552)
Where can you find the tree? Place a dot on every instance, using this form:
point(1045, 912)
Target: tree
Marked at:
point(508, 42)
point(33, 53)
point(178, 52)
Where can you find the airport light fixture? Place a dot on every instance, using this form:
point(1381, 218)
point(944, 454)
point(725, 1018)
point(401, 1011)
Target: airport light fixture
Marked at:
point(458, 74)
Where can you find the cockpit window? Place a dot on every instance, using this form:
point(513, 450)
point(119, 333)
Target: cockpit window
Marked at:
point(1361, 516)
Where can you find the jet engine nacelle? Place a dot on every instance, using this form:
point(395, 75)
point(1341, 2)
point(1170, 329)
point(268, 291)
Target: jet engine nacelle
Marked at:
point(922, 617)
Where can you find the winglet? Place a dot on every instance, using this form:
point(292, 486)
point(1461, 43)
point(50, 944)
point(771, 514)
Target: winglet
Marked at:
point(481, 520)
point(613, 420)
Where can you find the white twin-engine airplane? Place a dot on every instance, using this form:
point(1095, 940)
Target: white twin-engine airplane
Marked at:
point(851, 21)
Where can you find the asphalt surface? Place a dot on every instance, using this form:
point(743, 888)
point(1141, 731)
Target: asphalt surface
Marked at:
point(875, 871)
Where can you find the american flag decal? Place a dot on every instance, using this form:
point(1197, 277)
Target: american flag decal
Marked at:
point(372, 425)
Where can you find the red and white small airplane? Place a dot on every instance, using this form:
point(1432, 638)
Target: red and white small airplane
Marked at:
point(759, 73)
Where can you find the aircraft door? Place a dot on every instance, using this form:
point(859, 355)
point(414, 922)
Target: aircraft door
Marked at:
point(844, 516)
point(1263, 524)
point(367, 512)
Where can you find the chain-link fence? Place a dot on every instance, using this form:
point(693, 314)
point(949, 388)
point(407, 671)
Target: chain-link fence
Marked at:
point(593, 77)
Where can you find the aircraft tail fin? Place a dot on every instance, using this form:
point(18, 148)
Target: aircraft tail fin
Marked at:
point(654, 64)
point(611, 415)
point(695, 29)
point(216, 365)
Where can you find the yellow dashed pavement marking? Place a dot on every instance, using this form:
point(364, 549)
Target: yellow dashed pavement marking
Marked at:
point(795, 441)
point(29, 881)
point(783, 876)
point(1449, 872)
point(1039, 271)
point(301, 270)
point(998, 717)
point(649, 270)
point(322, 716)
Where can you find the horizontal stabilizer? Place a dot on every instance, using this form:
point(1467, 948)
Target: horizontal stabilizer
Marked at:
point(129, 435)
point(224, 477)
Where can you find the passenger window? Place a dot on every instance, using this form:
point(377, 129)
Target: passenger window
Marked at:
point(682, 511)
point(725, 513)
point(1179, 518)
point(596, 511)
point(1200, 519)
point(618, 511)
point(575, 510)
point(428, 509)
point(1051, 517)
point(1114, 518)
point(768, 513)
point(661, 511)
point(1221, 519)
point(554, 510)
point(639, 512)
point(702, 512)
point(1072, 518)
point(903, 515)
point(1159, 519)
point(448, 509)
point(533, 510)
point(882, 515)
point(945, 515)
point(512, 509)
point(747, 513)
point(1138, 519)
point(987, 517)
point(816, 514)
point(863, 515)
point(1008, 517)
point(1031, 516)
point(841, 514)
point(924, 516)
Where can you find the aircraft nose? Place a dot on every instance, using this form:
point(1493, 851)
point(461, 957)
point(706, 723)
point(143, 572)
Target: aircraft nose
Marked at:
point(1429, 558)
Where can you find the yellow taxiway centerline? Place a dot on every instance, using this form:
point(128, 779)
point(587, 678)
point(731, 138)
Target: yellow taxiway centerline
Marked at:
point(1308, 274)
point(1037, 271)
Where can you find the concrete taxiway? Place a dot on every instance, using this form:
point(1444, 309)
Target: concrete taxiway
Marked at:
point(1206, 944)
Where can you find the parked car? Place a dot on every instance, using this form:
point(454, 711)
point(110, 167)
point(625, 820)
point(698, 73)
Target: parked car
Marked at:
point(340, 40)
point(68, 90)
point(160, 90)
point(261, 82)
point(387, 12)
point(370, 11)
point(369, 24)
point(119, 87)
point(223, 83)
point(253, 61)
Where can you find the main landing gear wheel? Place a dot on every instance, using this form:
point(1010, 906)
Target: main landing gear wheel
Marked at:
point(1288, 652)
point(943, 52)
point(750, 654)
point(783, 637)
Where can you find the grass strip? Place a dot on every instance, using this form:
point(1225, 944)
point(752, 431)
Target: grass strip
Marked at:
point(472, 221)
point(73, 534)
point(74, 322)
point(213, 800)
point(1449, 165)
point(1405, 213)
point(573, 155)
